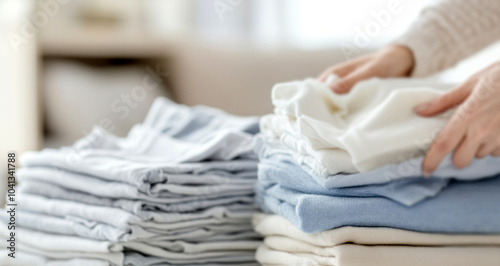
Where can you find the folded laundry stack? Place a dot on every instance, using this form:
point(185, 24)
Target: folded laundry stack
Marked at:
point(340, 180)
point(178, 190)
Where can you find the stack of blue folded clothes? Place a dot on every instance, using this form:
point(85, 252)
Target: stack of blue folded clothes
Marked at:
point(178, 190)
point(387, 215)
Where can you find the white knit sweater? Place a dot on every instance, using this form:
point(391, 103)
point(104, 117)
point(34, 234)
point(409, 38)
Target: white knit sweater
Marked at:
point(450, 31)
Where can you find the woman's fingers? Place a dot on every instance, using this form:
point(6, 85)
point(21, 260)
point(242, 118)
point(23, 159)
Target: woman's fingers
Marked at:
point(345, 84)
point(451, 135)
point(495, 153)
point(342, 69)
point(445, 101)
point(488, 148)
point(393, 61)
point(484, 150)
point(466, 151)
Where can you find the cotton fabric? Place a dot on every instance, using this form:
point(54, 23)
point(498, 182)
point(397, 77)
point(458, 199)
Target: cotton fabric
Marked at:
point(354, 255)
point(279, 168)
point(331, 133)
point(284, 244)
point(179, 190)
point(278, 226)
point(449, 211)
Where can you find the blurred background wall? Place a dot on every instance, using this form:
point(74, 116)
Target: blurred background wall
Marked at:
point(66, 65)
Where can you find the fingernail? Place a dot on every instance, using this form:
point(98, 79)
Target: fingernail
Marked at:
point(422, 107)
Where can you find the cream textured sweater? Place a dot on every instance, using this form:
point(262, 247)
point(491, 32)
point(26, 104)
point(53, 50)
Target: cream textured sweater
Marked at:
point(450, 31)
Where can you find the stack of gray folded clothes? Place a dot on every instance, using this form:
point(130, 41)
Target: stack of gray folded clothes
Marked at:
point(178, 190)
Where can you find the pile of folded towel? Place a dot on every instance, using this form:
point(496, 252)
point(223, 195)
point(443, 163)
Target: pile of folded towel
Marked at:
point(178, 190)
point(340, 182)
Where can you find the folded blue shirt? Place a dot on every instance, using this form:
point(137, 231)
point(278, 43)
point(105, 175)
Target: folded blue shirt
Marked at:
point(281, 170)
point(462, 207)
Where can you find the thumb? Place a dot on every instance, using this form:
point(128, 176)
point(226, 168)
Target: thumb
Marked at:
point(443, 102)
point(345, 84)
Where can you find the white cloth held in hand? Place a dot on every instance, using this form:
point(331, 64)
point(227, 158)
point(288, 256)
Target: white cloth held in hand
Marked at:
point(372, 125)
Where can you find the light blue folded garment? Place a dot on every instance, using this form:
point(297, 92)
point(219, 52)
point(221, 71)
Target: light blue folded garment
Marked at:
point(131, 172)
point(147, 192)
point(462, 207)
point(478, 169)
point(280, 169)
point(177, 133)
point(173, 140)
point(101, 231)
point(141, 208)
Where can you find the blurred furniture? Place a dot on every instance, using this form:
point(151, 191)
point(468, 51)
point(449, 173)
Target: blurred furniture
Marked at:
point(93, 55)
point(239, 80)
point(19, 95)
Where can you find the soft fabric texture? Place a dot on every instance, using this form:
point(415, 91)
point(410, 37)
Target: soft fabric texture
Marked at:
point(411, 169)
point(355, 255)
point(153, 193)
point(277, 168)
point(236, 207)
point(91, 252)
point(284, 244)
point(343, 174)
point(463, 207)
point(58, 257)
point(132, 259)
point(77, 226)
point(278, 226)
point(28, 259)
point(113, 216)
point(192, 134)
point(449, 31)
point(62, 243)
point(139, 174)
point(179, 189)
point(348, 133)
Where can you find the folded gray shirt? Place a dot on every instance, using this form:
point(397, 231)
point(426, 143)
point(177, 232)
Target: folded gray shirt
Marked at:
point(216, 208)
point(119, 190)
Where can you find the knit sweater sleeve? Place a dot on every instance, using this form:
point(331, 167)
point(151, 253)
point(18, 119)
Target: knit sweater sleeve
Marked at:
point(450, 31)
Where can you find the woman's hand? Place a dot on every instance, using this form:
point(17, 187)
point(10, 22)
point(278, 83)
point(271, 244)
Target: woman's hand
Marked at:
point(393, 61)
point(474, 129)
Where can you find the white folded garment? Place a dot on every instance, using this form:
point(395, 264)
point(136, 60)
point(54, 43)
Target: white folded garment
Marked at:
point(63, 247)
point(275, 225)
point(147, 211)
point(284, 244)
point(112, 216)
point(96, 258)
point(60, 243)
point(147, 192)
point(115, 258)
point(371, 126)
point(99, 231)
point(27, 259)
point(355, 255)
